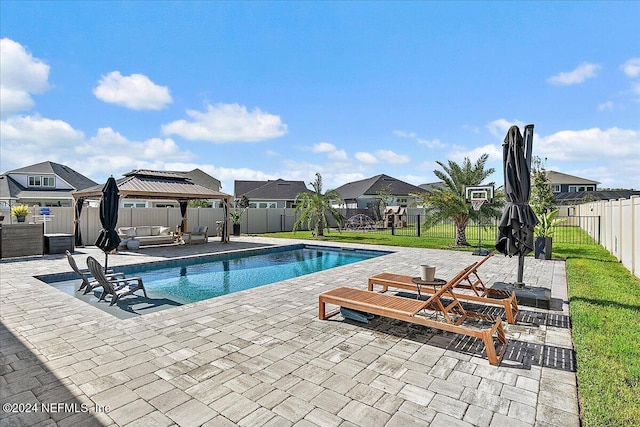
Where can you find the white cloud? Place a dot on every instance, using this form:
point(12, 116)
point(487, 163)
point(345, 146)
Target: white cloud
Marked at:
point(136, 92)
point(578, 75)
point(323, 147)
point(227, 123)
point(271, 153)
point(500, 127)
point(392, 157)
point(493, 150)
point(589, 144)
point(403, 134)
point(20, 76)
point(631, 68)
point(366, 158)
point(606, 106)
point(33, 139)
point(434, 143)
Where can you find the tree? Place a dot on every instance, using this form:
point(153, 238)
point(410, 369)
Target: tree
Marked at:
point(542, 199)
point(449, 202)
point(199, 203)
point(314, 208)
point(383, 198)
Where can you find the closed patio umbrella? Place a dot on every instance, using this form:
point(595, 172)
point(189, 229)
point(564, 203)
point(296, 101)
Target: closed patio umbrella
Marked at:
point(515, 231)
point(108, 238)
point(76, 222)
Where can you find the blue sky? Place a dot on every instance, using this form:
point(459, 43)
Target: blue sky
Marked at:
point(267, 90)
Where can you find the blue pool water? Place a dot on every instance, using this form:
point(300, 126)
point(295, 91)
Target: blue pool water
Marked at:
point(189, 280)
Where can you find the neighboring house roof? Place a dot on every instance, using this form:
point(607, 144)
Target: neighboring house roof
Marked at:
point(433, 186)
point(9, 188)
point(371, 186)
point(73, 178)
point(563, 178)
point(278, 189)
point(150, 184)
point(580, 196)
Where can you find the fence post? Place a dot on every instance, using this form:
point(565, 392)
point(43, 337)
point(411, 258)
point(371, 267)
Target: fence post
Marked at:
point(393, 226)
point(418, 224)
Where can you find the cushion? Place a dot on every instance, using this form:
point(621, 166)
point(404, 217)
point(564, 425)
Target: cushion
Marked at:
point(202, 229)
point(155, 230)
point(195, 229)
point(164, 231)
point(131, 232)
point(144, 230)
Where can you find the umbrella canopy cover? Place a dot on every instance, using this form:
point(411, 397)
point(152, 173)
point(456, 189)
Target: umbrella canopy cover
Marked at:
point(515, 232)
point(108, 238)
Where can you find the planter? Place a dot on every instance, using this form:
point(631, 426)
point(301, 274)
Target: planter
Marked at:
point(543, 247)
point(236, 229)
point(20, 218)
point(133, 244)
point(427, 272)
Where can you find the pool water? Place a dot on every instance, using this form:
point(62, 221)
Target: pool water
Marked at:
point(200, 281)
point(190, 280)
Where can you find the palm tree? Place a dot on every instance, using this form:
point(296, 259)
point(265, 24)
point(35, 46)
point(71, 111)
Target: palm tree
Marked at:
point(449, 202)
point(314, 207)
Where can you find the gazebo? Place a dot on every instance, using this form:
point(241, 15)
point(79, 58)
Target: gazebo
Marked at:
point(157, 185)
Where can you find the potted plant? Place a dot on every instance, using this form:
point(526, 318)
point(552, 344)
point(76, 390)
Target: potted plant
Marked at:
point(236, 218)
point(544, 234)
point(20, 212)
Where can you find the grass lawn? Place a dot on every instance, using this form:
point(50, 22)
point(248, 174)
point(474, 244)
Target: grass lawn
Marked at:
point(604, 301)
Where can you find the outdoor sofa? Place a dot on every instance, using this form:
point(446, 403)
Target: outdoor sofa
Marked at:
point(146, 235)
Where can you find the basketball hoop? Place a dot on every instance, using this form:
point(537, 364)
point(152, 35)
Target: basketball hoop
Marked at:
point(476, 204)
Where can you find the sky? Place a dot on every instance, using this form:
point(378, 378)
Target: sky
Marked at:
point(268, 90)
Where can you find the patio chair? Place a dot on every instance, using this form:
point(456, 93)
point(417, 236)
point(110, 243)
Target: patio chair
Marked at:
point(470, 281)
point(116, 288)
point(420, 312)
point(87, 284)
point(198, 234)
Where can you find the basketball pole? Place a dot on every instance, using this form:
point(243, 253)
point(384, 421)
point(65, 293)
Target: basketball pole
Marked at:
point(480, 251)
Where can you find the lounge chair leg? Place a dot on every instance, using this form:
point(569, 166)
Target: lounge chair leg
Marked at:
point(114, 300)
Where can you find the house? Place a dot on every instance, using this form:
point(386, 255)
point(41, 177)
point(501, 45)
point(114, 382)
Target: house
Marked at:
point(140, 182)
point(364, 194)
point(277, 193)
point(565, 183)
point(42, 184)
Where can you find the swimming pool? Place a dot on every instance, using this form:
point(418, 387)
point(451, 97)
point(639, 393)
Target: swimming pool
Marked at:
point(184, 281)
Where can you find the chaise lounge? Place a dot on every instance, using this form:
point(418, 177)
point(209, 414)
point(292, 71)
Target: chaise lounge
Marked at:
point(470, 281)
point(117, 289)
point(420, 312)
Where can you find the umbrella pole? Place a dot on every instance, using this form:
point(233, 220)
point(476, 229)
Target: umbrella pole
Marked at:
point(520, 282)
point(106, 258)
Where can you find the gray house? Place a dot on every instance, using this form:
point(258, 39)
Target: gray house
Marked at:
point(42, 184)
point(565, 183)
point(363, 194)
point(277, 193)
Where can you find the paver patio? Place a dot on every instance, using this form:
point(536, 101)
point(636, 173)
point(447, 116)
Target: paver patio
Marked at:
point(262, 358)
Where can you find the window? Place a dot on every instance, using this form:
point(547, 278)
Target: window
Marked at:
point(134, 205)
point(579, 188)
point(42, 181)
point(555, 188)
point(263, 205)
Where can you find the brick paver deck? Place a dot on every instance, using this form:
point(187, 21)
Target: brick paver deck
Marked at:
point(262, 358)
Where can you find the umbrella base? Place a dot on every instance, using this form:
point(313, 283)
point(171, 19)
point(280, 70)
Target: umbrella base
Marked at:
point(527, 295)
point(481, 252)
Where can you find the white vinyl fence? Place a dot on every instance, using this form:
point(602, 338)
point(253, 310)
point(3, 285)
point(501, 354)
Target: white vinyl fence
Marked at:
point(253, 220)
point(619, 228)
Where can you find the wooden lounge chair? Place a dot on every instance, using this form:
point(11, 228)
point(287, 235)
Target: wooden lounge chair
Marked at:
point(469, 281)
point(116, 288)
point(417, 311)
point(88, 284)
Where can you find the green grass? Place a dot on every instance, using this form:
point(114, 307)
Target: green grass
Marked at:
point(604, 301)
